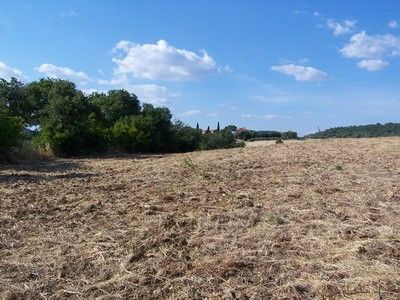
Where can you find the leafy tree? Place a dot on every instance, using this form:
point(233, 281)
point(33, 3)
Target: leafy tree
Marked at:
point(127, 137)
point(40, 93)
point(372, 130)
point(157, 123)
point(115, 105)
point(219, 140)
point(13, 96)
point(70, 128)
point(149, 132)
point(10, 132)
point(71, 123)
point(288, 135)
point(246, 134)
point(186, 138)
point(231, 128)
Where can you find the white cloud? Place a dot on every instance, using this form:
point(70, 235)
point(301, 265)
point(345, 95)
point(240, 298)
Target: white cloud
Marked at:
point(152, 93)
point(301, 73)
point(190, 113)
point(362, 45)
point(7, 72)
point(340, 28)
point(63, 73)
point(148, 93)
point(372, 49)
point(372, 64)
point(393, 24)
point(213, 114)
point(161, 61)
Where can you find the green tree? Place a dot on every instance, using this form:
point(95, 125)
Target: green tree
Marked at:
point(127, 137)
point(288, 135)
point(151, 131)
point(40, 93)
point(157, 123)
point(10, 132)
point(231, 128)
point(13, 95)
point(115, 105)
point(70, 127)
point(219, 140)
point(186, 138)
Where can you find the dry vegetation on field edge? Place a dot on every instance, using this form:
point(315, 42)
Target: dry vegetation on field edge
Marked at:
point(315, 219)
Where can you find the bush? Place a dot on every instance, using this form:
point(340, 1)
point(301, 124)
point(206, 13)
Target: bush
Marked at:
point(10, 133)
point(71, 127)
point(219, 140)
point(125, 136)
point(186, 138)
point(289, 135)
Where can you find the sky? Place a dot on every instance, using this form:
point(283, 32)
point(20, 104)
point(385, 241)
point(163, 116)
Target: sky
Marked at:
point(265, 65)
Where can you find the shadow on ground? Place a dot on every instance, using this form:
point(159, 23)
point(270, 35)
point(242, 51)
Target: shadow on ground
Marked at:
point(43, 166)
point(60, 168)
point(25, 177)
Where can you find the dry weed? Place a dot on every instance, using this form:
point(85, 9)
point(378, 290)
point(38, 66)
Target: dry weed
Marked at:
point(265, 222)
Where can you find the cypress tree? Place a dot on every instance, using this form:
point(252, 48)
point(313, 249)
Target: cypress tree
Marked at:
point(218, 129)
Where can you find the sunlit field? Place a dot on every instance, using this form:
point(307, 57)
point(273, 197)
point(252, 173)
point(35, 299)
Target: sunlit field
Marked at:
point(314, 219)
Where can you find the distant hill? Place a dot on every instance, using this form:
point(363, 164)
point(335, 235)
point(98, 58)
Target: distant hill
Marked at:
point(373, 130)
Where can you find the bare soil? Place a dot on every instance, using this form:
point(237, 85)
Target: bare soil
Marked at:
point(316, 219)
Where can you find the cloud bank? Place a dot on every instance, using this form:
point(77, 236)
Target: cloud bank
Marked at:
point(63, 73)
point(6, 72)
point(161, 61)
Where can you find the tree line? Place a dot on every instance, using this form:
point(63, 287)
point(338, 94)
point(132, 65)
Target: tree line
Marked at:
point(253, 135)
point(372, 130)
point(54, 114)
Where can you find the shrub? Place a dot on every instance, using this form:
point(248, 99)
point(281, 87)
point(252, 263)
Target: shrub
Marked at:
point(125, 136)
point(276, 218)
point(71, 128)
point(219, 140)
point(10, 133)
point(186, 138)
point(289, 135)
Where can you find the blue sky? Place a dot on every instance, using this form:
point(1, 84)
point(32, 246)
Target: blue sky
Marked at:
point(273, 65)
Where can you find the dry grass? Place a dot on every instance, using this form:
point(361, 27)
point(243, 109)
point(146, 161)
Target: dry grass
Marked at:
point(265, 222)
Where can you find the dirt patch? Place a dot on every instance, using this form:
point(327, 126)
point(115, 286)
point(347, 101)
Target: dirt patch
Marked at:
point(264, 222)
